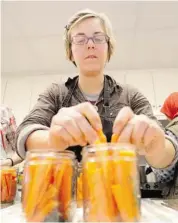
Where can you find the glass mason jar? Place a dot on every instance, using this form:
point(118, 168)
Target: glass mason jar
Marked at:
point(49, 186)
point(8, 182)
point(79, 186)
point(110, 183)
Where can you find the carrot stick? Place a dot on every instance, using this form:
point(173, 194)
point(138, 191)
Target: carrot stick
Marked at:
point(66, 190)
point(107, 175)
point(102, 137)
point(46, 173)
point(79, 182)
point(27, 192)
point(40, 216)
point(118, 196)
point(58, 174)
point(114, 138)
point(13, 190)
point(126, 202)
point(50, 194)
point(101, 207)
point(123, 167)
point(40, 180)
point(12, 187)
point(7, 179)
point(80, 190)
point(124, 178)
point(88, 167)
point(4, 189)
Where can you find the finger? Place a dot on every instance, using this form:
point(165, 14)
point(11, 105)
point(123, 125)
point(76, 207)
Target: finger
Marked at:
point(126, 133)
point(152, 135)
point(122, 119)
point(87, 133)
point(88, 110)
point(59, 137)
point(70, 125)
point(140, 127)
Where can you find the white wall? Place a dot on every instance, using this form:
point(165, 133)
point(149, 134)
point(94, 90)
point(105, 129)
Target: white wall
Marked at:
point(20, 93)
point(146, 34)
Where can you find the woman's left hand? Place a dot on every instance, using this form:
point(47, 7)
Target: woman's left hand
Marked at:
point(141, 131)
point(5, 162)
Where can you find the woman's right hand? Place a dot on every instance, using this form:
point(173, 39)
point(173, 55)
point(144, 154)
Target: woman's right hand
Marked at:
point(76, 125)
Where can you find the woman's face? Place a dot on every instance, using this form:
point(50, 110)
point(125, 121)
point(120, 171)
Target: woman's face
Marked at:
point(90, 56)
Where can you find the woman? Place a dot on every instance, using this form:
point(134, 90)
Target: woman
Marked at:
point(68, 116)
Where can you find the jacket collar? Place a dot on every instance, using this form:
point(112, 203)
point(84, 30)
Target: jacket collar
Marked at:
point(110, 83)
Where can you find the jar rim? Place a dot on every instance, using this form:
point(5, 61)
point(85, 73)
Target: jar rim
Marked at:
point(50, 152)
point(9, 168)
point(106, 146)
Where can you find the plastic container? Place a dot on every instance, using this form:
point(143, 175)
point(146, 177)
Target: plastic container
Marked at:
point(8, 182)
point(49, 186)
point(110, 183)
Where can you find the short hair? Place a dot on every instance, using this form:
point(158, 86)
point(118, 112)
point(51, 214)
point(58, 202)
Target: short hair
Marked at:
point(82, 15)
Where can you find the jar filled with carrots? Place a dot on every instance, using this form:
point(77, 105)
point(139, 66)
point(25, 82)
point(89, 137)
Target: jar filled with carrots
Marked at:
point(49, 186)
point(110, 183)
point(8, 183)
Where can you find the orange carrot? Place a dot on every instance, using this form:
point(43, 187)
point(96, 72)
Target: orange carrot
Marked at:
point(107, 174)
point(102, 137)
point(124, 177)
point(46, 173)
point(27, 190)
point(50, 194)
point(88, 167)
point(100, 206)
point(58, 174)
point(126, 202)
point(114, 138)
point(3, 189)
point(122, 166)
point(7, 180)
point(40, 179)
point(80, 190)
point(41, 215)
point(66, 190)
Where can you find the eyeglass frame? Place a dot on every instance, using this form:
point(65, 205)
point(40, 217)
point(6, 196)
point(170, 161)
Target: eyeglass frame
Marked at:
point(92, 38)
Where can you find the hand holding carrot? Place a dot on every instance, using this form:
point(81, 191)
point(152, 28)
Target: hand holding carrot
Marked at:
point(139, 130)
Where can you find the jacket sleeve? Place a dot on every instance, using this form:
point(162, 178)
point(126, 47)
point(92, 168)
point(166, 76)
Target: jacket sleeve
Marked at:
point(140, 105)
point(39, 117)
point(167, 174)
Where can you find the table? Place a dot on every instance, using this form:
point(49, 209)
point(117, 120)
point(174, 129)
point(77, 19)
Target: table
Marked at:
point(152, 211)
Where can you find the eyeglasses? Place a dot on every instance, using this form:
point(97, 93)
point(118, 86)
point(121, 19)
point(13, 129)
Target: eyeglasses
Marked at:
point(82, 39)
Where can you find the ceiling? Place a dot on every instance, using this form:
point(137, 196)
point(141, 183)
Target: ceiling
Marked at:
point(32, 35)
